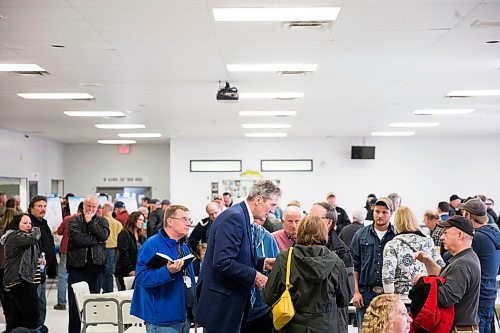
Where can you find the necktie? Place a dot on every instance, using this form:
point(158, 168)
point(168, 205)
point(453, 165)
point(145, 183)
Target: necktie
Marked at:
point(252, 290)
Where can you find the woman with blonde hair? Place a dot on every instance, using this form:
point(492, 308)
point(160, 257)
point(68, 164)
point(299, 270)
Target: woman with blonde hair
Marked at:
point(399, 268)
point(386, 314)
point(318, 277)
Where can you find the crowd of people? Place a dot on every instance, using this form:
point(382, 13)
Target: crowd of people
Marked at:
point(391, 268)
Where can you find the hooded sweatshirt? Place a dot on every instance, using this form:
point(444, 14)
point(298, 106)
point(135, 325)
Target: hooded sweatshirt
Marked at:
point(486, 244)
point(319, 286)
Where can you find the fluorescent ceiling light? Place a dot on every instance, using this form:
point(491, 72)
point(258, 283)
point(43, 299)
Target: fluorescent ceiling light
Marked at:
point(283, 95)
point(266, 135)
point(139, 135)
point(21, 68)
point(116, 142)
point(393, 133)
point(276, 14)
point(94, 113)
point(267, 113)
point(267, 126)
point(272, 67)
point(56, 95)
point(413, 124)
point(442, 111)
point(120, 126)
point(473, 93)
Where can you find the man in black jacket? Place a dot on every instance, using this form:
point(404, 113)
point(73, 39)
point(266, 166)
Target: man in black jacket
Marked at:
point(37, 210)
point(155, 218)
point(200, 232)
point(86, 258)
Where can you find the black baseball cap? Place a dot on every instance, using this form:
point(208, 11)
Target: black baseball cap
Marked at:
point(458, 222)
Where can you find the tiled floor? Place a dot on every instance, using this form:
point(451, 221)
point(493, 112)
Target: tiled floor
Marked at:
point(57, 320)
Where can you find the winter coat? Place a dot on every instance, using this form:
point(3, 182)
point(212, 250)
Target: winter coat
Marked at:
point(21, 255)
point(127, 253)
point(319, 285)
point(85, 237)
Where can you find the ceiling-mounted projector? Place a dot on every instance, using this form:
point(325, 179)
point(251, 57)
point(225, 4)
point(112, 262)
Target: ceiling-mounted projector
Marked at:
point(226, 92)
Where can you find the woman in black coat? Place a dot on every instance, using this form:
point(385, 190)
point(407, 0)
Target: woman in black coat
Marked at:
point(130, 240)
point(318, 277)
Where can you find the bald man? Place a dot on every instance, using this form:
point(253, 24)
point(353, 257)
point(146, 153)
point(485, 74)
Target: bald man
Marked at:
point(200, 232)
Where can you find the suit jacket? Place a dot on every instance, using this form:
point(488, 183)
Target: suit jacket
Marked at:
point(228, 271)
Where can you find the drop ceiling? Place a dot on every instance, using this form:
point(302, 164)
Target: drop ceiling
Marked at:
point(159, 61)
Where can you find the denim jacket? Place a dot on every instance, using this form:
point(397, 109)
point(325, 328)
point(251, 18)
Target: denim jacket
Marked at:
point(367, 255)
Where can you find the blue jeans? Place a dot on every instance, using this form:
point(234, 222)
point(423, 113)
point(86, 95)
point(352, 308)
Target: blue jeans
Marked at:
point(360, 313)
point(62, 280)
point(485, 318)
point(174, 328)
point(42, 303)
point(109, 270)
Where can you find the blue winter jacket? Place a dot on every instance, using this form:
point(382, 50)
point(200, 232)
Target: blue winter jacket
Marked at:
point(160, 298)
point(486, 244)
point(265, 246)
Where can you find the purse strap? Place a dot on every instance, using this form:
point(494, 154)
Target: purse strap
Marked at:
point(288, 264)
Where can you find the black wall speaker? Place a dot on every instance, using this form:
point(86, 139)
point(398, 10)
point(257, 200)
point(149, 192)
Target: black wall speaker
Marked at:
point(363, 152)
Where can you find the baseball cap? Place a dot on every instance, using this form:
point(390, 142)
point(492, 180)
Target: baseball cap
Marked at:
point(165, 202)
point(454, 197)
point(474, 206)
point(386, 202)
point(458, 222)
point(154, 202)
point(489, 202)
point(119, 204)
point(330, 194)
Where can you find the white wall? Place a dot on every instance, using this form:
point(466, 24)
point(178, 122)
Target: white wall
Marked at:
point(32, 158)
point(86, 167)
point(423, 171)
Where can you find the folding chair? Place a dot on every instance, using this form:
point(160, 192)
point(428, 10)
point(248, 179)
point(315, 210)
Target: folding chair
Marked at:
point(137, 325)
point(129, 282)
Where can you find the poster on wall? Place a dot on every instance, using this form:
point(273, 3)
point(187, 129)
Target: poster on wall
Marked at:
point(240, 188)
point(130, 202)
point(73, 204)
point(54, 212)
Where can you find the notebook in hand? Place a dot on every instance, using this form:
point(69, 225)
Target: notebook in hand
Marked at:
point(160, 259)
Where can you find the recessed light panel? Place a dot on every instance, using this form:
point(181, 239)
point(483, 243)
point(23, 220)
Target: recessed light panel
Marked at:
point(116, 142)
point(21, 68)
point(393, 133)
point(272, 67)
point(413, 125)
point(275, 14)
point(271, 95)
point(94, 113)
point(56, 95)
point(266, 126)
point(267, 113)
point(473, 93)
point(266, 135)
point(139, 135)
point(442, 111)
point(120, 126)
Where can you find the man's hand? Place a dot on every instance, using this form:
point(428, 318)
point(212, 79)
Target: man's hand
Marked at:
point(421, 256)
point(131, 273)
point(268, 263)
point(88, 216)
point(357, 300)
point(175, 266)
point(260, 280)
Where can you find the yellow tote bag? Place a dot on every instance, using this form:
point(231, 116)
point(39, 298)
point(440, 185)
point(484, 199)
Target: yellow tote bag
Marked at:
point(283, 310)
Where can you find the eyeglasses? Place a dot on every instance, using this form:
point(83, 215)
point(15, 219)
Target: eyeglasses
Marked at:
point(186, 220)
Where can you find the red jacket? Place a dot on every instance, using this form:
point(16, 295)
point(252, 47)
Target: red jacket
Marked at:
point(62, 230)
point(425, 311)
point(122, 217)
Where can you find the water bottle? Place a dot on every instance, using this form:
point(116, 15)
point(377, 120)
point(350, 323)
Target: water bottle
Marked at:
point(42, 262)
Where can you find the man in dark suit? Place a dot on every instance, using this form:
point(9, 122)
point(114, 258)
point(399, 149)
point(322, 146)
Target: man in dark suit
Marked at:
point(231, 270)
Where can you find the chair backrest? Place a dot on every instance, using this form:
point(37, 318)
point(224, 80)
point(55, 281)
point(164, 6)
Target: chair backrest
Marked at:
point(127, 318)
point(129, 282)
point(100, 311)
point(80, 289)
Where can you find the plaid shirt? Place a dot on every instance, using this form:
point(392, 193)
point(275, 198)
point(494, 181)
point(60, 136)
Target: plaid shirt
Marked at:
point(436, 234)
